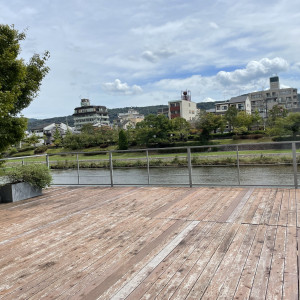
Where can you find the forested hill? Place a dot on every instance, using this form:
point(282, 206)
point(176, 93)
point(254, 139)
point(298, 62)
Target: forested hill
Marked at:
point(113, 114)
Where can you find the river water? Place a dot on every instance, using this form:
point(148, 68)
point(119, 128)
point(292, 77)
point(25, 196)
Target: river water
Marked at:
point(278, 175)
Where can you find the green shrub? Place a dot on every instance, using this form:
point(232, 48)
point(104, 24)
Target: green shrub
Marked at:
point(13, 151)
point(40, 149)
point(34, 174)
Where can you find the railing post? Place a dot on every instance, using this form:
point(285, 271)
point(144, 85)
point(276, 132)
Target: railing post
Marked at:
point(47, 161)
point(148, 166)
point(23, 162)
point(78, 176)
point(189, 161)
point(111, 169)
point(238, 164)
point(295, 164)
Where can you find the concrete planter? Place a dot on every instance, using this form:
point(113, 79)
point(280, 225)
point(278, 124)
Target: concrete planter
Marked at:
point(13, 192)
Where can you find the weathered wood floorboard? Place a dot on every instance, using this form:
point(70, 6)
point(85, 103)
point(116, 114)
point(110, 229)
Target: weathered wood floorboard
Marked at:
point(151, 243)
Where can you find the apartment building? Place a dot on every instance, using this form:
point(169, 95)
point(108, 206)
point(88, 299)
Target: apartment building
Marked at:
point(263, 101)
point(90, 114)
point(241, 103)
point(183, 108)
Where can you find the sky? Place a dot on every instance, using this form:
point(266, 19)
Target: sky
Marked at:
point(138, 53)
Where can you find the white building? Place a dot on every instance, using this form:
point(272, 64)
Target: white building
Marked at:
point(90, 114)
point(131, 118)
point(262, 101)
point(241, 103)
point(49, 131)
point(183, 108)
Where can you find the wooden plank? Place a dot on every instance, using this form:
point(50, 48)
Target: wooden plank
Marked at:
point(260, 283)
point(298, 206)
point(178, 256)
point(292, 212)
point(186, 266)
point(193, 268)
point(275, 284)
point(206, 276)
point(250, 207)
point(227, 264)
point(244, 286)
point(283, 216)
point(142, 274)
point(232, 275)
point(290, 284)
point(276, 207)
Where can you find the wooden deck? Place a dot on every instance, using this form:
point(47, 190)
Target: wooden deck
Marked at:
point(151, 242)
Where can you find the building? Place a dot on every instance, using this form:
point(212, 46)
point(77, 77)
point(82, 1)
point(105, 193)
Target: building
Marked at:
point(90, 114)
point(50, 130)
point(131, 118)
point(241, 103)
point(183, 108)
point(163, 111)
point(263, 101)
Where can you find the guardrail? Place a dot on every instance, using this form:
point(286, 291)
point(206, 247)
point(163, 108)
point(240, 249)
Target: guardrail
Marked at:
point(216, 165)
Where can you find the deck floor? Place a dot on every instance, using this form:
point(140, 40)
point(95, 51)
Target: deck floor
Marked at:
point(151, 243)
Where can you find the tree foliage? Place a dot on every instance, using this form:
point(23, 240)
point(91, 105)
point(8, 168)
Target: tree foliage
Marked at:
point(123, 141)
point(208, 123)
point(230, 116)
point(19, 84)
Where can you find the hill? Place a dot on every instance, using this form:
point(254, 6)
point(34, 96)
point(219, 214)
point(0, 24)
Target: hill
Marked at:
point(113, 114)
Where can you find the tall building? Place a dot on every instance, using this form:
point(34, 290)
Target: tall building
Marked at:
point(183, 108)
point(90, 114)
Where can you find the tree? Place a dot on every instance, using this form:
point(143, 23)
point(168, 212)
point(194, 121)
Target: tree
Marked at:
point(209, 123)
point(123, 141)
point(292, 123)
point(19, 84)
point(244, 120)
point(180, 127)
point(57, 139)
point(153, 129)
point(276, 112)
point(230, 116)
point(32, 140)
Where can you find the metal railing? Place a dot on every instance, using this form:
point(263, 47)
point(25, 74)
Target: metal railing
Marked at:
point(261, 164)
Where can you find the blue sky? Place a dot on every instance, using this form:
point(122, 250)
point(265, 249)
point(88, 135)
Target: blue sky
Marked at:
point(138, 53)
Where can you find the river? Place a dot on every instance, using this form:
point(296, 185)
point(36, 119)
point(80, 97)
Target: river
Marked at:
point(278, 175)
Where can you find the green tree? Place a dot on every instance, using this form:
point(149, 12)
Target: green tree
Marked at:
point(230, 116)
point(57, 139)
point(180, 128)
point(292, 123)
point(32, 140)
point(244, 120)
point(209, 123)
point(153, 129)
point(123, 141)
point(276, 112)
point(19, 84)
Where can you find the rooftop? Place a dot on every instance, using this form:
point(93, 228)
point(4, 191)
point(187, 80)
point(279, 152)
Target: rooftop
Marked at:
point(133, 243)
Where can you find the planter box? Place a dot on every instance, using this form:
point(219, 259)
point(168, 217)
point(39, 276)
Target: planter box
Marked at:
point(13, 192)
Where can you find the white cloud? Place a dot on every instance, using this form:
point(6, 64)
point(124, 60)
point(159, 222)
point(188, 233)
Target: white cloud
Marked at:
point(208, 99)
point(254, 70)
point(156, 55)
point(117, 87)
point(213, 25)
